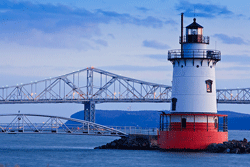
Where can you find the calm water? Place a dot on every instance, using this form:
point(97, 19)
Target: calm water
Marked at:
point(71, 150)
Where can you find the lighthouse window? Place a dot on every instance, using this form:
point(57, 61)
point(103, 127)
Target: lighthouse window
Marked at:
point(209, 85)
point(216, 123)
point(200, 31)
point(174, 100)
point(183, 122)
point(192, 32)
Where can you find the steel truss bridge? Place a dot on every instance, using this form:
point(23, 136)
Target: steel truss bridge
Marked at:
point(91, 86)
point(233, 96)
point(22, 123)
point(88, 86)
point(25, 123)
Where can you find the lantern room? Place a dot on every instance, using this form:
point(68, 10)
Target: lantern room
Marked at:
point(194, 34)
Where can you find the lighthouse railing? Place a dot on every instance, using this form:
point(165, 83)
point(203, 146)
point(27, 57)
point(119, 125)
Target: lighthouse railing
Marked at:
point(167, 125)
point(194, 54)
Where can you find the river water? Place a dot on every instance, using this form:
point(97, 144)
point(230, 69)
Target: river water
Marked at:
point(53, 150)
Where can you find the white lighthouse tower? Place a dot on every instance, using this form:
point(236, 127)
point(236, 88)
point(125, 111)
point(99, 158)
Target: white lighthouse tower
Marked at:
point(194, 89)
point(193, 122)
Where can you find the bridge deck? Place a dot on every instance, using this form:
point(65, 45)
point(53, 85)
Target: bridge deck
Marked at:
point(21, 123)
point(99, 86)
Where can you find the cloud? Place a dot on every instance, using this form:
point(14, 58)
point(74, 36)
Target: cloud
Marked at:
point(170, 21)
point(234, 67)
point(202, 10)
point(157, 57)
point(142, 9)
point(101, 42)
point(136, 68)
point(234, 74)
point(154, 74)
point(238, 60)
point(68, 38)
point(154, 44)
point(49, 17)
point(46, 17)
point(112, 36)
point(125, 18)
point(48, 25)
point(148, 22)
point(230, 40)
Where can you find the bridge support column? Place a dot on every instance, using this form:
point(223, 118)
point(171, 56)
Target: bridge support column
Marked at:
point(89, 111)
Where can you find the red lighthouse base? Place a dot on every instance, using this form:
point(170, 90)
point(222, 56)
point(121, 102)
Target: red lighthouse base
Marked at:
point(190, 140)
point(191, 131)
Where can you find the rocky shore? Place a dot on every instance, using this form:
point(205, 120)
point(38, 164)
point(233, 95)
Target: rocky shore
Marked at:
point(133, 142)
point(232, 146)
point(145, 142)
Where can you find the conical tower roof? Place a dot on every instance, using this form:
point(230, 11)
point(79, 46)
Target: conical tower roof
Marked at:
point(194, 25)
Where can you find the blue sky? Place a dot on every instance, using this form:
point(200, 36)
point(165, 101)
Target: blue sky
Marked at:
point(41, 39)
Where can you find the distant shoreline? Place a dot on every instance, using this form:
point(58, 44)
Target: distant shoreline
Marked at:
point(150, 119)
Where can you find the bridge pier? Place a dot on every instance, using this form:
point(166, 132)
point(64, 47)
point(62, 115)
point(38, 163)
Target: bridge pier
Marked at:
point(89, 111)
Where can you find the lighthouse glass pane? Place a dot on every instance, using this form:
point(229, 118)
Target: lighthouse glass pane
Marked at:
point(209, 86)
point(192, 31)
point(199, 31)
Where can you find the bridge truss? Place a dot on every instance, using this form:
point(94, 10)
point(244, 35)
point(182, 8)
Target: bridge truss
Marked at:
point(23, 123)
point(88, 86)
point(234, 96)
point(91, 85)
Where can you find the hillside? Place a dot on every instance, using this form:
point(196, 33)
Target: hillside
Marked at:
point(236, 121)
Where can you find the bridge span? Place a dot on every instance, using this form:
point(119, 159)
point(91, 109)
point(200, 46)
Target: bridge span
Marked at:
point(88, 86)
point(28, 124)
point(22, 123)
point(91, 86)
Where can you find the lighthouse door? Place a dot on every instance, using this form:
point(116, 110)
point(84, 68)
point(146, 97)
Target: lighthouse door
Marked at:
point(174, 100)
point(183, 122)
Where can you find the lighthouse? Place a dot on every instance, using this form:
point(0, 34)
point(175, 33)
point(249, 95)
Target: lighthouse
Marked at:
point(193, 122)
